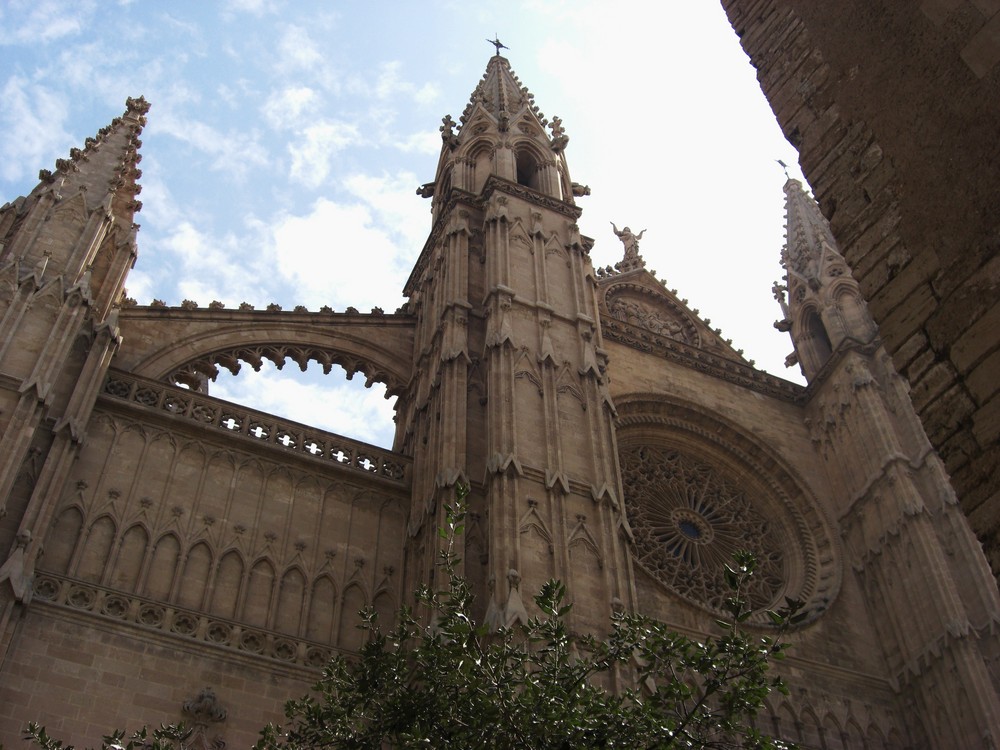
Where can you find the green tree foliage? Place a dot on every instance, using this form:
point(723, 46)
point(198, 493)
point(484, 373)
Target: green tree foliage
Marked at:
point(453, 684)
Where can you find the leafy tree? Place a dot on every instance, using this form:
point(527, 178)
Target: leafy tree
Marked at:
point(453, 684)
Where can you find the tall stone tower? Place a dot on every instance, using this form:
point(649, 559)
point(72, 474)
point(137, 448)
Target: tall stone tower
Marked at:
point(925, 580)
point(509, 390)
point(66, 250)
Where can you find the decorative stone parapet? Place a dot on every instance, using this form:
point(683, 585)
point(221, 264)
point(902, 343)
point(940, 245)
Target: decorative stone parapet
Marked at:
point(290, 436)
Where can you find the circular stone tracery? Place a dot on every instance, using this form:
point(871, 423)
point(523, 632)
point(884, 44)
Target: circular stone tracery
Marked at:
point(688, 520)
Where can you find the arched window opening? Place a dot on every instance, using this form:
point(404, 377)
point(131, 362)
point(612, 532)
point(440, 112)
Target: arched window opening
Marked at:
point(527, 170)
point(816, 333)
point(328, 402)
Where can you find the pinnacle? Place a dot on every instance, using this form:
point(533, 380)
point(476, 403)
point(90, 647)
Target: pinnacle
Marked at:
point(808, 234)
point(501, 92)
point(106, 167)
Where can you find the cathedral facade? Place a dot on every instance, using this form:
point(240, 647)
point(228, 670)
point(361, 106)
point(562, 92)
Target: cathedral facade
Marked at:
point(170, 556)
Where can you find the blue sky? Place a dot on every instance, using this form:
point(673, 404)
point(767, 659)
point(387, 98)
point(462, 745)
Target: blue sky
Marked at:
point(286, 140)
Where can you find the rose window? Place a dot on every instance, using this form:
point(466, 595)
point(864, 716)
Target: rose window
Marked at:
point(688, 519)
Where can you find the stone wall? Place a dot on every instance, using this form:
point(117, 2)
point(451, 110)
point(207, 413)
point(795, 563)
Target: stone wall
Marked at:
point(81, 677)
point(894, 110)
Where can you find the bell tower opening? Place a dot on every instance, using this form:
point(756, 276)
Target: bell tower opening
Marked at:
point(815, 332)
point(527, 170)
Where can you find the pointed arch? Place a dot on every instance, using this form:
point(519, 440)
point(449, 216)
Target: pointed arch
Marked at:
point(529, 165)
point(895, 740)
point(587, 582)
point(857, 322)
point(195, 577)
point(581, 537)
point(102, 266)
point(187, 341)
point(131, 553)
point(350, 636)
point(815, 340)
point(322, 607)
point(385, 607)
point(96, 549)
point(833, 733)
point(853, 734)
point(72, 208)
point(789, 722)
point(810, 727)
point(291, 590)
point(228, 585)
point(260, 590)
point(874, 738)
point(532, 523)
point(162, 567)
point(480, 153)
point(62, 540)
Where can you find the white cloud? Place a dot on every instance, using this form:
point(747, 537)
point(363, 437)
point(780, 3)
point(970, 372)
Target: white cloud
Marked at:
point(337, 255)
point(389, 84)
point(140, 286)
point(191, 263)
point(33, 120)
point(424, 142)
point(254, 7)
point(232, 151)
point(395, 203)
point(313, 152)
point(297, 50)
point(40, 21)
point(284, 108)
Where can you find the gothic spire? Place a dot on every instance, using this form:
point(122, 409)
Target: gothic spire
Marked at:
point(500, 92)
point(808, 236)
point(105, 169)
point(824, 308)
point(503, 134)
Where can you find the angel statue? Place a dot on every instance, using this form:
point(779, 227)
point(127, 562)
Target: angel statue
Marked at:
point(630, 240)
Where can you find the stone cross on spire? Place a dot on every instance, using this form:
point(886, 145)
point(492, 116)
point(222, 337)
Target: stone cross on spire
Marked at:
point(495, 41)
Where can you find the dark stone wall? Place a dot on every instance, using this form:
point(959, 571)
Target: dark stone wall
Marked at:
point(895, 110)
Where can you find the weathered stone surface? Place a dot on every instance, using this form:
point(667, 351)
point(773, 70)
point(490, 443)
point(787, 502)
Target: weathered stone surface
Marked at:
point(932, 193)
point(611, 439)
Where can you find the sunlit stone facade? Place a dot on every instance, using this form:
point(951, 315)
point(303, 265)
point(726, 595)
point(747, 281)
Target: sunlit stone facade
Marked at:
point(170, 556)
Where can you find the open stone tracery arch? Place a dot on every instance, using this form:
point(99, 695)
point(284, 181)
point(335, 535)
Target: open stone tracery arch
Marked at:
point(697, 489)
point(198, 344)
point(195, 373)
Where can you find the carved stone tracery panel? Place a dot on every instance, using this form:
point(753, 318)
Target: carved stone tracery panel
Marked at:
point(689, 520)
point(698, 488)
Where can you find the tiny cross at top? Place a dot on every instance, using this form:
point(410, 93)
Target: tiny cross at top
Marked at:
point(495, 41)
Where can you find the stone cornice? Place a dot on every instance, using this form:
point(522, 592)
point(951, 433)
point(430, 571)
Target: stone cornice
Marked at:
point(498, 184)
point(715, 365)
point(250, 316)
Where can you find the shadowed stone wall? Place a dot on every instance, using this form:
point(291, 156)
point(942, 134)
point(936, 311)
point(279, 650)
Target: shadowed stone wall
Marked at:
point(894, 110)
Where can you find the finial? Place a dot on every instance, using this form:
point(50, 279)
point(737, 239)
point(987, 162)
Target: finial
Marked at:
point(784, 167)
point(137, 105)
point(495, 41)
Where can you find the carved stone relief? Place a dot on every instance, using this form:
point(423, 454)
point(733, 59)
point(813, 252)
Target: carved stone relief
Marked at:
point(658, 321)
